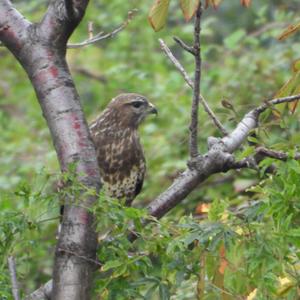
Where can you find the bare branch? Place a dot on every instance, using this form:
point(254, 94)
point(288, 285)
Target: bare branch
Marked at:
point(190, 83)
point(194, 152)
point(269, 103)
point(275, 154)
point(13, 277)
point(100, 36)
point(250, 121)
point(176, 63)
point(183, 45)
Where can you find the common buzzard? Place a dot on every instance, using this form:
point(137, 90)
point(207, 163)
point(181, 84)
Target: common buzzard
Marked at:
point(119, 152)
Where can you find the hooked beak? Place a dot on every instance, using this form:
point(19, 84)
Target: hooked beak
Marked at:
point(152, 109)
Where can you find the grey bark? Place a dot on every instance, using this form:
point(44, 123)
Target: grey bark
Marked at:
point(41, 48)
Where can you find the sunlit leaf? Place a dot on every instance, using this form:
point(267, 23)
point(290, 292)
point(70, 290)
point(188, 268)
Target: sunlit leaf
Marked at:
point(189, 8)
point(223, 261)
point(203, 208)
point(296, 65)
point(252, 295)
point(285, 284)
point(158, 14)
point(289, 31)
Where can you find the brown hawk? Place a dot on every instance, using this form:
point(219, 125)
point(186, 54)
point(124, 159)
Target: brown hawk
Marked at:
point(119, 152)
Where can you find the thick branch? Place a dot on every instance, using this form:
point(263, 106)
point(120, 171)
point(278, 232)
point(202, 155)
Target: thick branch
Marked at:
point(13, 27)
point(217, 159)
point(250, 122)
point(13, 277)
point(43, 293)
point(60, 20)
point(41, 48)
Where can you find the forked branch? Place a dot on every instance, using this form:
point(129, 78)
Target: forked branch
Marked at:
point(190, 83)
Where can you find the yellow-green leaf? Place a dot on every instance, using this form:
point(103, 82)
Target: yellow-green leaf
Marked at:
point(158, 14)
point(189, 8)
point(291, 87)
point(296, 66)
point(289, 31)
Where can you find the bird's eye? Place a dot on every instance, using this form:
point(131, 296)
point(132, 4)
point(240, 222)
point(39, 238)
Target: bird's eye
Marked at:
point(137, 104)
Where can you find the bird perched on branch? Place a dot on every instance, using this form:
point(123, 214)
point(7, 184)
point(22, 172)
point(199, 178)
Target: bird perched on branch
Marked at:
point(119, 152)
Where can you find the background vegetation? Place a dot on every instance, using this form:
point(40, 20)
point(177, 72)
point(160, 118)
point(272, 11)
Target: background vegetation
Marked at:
point(204, 252)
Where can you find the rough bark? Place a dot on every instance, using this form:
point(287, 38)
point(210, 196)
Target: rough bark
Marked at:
point(41, 48)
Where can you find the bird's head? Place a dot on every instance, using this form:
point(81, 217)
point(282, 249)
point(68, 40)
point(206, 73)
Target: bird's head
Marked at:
point(132, 108)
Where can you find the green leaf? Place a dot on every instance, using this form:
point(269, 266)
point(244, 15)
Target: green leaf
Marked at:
point(111, 264)
point(158, 14)
point(189, 8)
point(164, 292)
point(233, 40)
point(150, 292)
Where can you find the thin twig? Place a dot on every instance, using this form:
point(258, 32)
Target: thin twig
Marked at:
point(176, 63)
point(100, 36)
point(89, 74)
point(194, 152)
point(184, 45)
point(270, 103)
point(276, 154)
point(80, 256)
point(190, 83)
point(13, 277)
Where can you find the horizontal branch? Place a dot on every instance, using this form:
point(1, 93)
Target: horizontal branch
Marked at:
point(276, 154)
point(217, 159)
point(250, 122)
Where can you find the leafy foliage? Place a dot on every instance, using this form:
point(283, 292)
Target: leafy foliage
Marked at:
point(248, 242)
